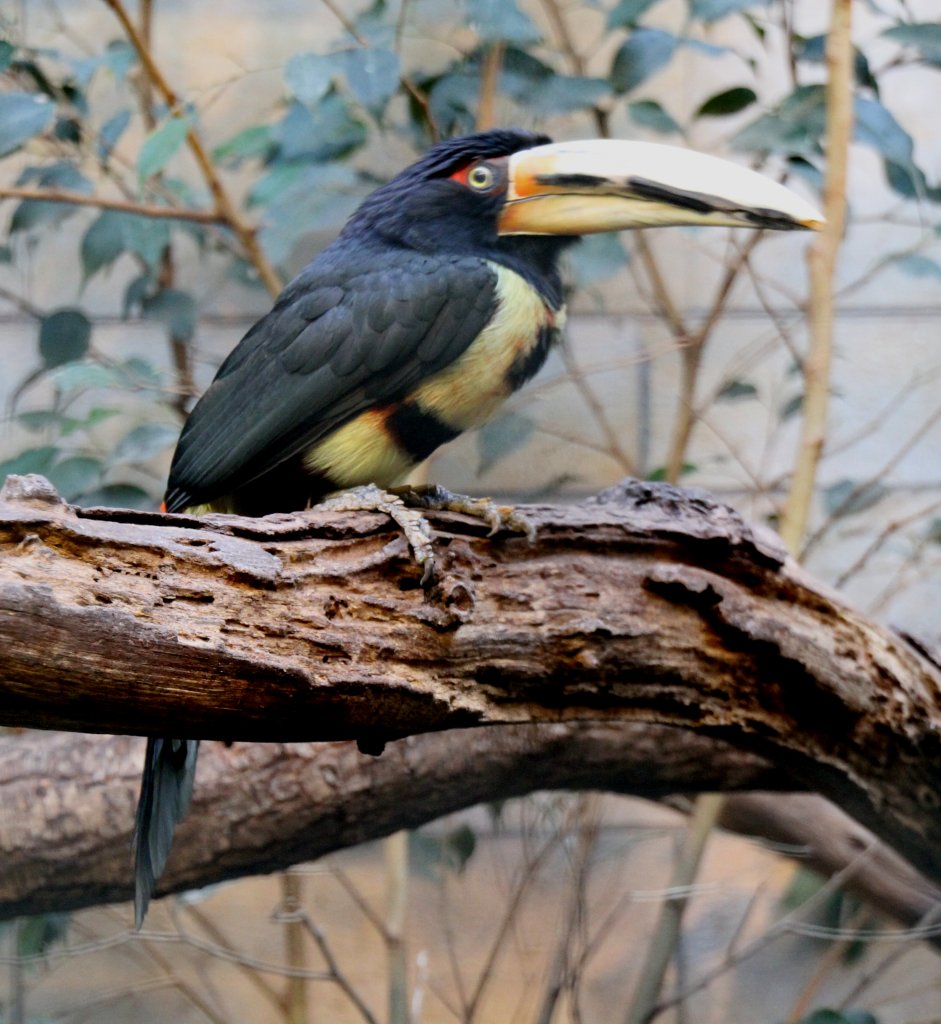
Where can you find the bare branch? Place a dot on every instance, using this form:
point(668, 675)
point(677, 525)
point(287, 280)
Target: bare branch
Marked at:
point(153, 210)
point(224, 206)
point(821, 259)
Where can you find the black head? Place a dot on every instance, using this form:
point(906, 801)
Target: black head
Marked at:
point(449, 201)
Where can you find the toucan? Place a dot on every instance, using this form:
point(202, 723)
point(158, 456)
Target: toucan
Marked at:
point(440, 297)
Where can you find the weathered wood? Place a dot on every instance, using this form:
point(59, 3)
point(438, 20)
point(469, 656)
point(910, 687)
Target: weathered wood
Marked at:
point(68, 800)
point(68, 804)
point(647, 603)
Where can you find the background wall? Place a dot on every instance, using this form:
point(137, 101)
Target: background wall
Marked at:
point(604, 407)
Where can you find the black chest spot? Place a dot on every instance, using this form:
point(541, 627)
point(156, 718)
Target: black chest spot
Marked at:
point(530, 361)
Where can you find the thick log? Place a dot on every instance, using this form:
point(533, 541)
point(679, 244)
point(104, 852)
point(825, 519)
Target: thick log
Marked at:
point(645, 604)
point(69, 805)
point(68, 801)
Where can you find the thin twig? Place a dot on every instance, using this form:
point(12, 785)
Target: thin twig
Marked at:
point(333, 967)
point(643, 1007)
point(692, 353)
point(153, 210)
point(291, 914)
point(357, 897)
point(489, 82)
point(771, 934)
point(224, 206)
point(527, 876)
point(614, 449)
point(395, 849)
point(212, 929)
point(821, 259)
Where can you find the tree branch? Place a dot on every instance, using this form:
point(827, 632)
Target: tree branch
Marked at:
point(821, 261)
point(56, 195)
point(69, 804)
point(646, 603)
point(224, 205)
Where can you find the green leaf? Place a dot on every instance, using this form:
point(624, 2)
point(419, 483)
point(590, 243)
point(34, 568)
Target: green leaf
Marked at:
point(501, 21)
point(642, 54)
point(22, 115)
point(729, 102)
point(75, 476)
point(309, 76)
point(162, 143)
point(36, 934)
point(849, 497)
point(916, 264)
point(111, 132)
point(791, 407)
point(626, 13)
point(453, 98)
point(254, 141)
point(461, 844)
point(119, 496)
point(910, 181)
point(713, 10)
point(7, 49)
point(40, 213)
point(145, 442)
point(564, 94)
point(175, 309)
point(119, 57)
point(649, 114)
point(140, 373)
point(794, 128)
point(64, 336)
point(825, 1016)
point(372, 74)
point(322, 195)
point(596, 258)
point(115, 232)
point(924, 37)
point(660, 473)
point(874, 126)
point(39, 419)
point(82, 376)
point(733, 390)
point(814, 50)
point(327, 132)
point(32, 460)
point(501, 437)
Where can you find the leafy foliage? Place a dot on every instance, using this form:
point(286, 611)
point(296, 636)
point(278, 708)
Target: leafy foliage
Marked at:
point(67, 119)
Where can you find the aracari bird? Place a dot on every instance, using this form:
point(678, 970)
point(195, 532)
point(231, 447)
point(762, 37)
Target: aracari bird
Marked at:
point(440, 298)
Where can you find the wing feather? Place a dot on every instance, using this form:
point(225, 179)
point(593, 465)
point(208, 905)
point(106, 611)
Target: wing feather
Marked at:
point(342, 338)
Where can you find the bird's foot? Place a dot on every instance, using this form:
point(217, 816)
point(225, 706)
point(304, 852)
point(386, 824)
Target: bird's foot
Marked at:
point(370, 498)
point(404, 506)
point(435, 498)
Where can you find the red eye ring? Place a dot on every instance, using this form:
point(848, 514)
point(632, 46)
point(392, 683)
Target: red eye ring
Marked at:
point(478, 176)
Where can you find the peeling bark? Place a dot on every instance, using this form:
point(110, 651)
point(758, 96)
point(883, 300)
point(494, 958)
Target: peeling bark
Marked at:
point(647, 603)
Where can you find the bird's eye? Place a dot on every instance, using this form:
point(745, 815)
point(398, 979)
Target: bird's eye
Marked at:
point(480, 177)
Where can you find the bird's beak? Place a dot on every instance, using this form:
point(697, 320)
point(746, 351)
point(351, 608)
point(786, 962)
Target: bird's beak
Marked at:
point(577, 188)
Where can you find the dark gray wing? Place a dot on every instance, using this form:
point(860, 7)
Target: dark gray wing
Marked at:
point(355, 330)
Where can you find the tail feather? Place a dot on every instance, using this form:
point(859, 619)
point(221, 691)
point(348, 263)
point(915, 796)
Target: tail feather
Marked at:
point(166, 788)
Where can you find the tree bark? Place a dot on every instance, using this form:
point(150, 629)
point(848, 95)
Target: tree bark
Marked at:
point(69, 805)
point(645, 604)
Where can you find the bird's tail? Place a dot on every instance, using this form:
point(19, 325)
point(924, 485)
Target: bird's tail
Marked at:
point(166, 787)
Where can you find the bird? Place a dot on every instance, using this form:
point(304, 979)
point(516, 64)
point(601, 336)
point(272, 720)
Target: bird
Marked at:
point(441, 296)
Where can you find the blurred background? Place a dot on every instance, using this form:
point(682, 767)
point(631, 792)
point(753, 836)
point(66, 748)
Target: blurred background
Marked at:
point(125, 279)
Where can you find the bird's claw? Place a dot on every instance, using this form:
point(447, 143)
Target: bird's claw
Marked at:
point(404, 505)
point(370, 498)
point(439, 499)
